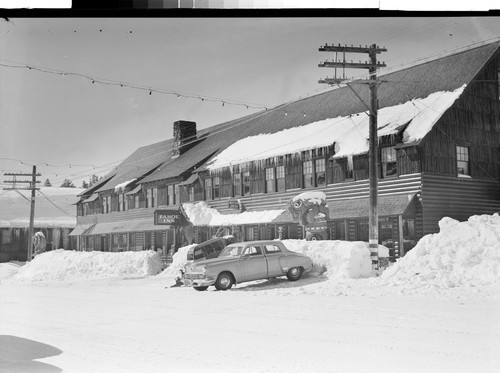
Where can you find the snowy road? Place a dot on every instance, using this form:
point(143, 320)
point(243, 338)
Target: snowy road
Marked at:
point(137, 325)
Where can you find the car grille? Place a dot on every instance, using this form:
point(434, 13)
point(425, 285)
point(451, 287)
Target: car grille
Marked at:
point(194, 276)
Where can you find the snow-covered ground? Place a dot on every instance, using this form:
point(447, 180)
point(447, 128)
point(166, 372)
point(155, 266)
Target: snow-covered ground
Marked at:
point(435, 310)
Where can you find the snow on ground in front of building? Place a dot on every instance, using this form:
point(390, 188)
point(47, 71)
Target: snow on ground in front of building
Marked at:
point(321, 323)
point(65, 265)
point(462, 254)
point(200, 214)
point(348, 133)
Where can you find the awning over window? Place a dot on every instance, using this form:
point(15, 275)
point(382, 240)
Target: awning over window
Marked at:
point(79, 229)
point(93, 197)
point(134, 191)
point(190, 180)
point(139, 225)
point(389, 205)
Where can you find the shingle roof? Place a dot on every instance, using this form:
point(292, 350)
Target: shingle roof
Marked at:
point(444, 74)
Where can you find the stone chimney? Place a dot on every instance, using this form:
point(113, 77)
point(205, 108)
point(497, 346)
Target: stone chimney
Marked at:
point(184, 137)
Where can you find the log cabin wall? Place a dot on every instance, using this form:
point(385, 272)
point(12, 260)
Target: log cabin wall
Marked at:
point(473, 122)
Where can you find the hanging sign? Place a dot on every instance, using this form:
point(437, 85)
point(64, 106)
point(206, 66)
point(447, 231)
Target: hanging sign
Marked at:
point(170, 217)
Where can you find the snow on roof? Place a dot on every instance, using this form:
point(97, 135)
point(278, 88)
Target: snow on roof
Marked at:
point(121, 187)
point(54, 207)
point(200, 213)
point(349, 133)
point(315, 197)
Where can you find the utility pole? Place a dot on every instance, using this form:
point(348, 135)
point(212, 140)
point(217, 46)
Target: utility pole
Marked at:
point(33, 188)
point(372, 66)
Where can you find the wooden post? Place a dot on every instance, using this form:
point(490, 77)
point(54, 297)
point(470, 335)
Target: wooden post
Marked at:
point(372, 163)
point(32, 215)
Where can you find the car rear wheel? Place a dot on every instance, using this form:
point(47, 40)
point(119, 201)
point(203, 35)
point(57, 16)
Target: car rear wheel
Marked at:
point(224, 282)
point(200, 288)
point(294, 273)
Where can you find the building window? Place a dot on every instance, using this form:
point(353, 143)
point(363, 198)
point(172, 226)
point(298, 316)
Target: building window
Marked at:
point(246, 183)
point(136, 201)
point(389, 161)
point(498, 81)
point(208, 188)
point(106, 204)
point(463, 160)
point(350, 168)
point(340, 230)
point(237, 184)
point(216, 187)
point(320, 172)
point(170, 195)
point(176, 193)
point(270, 180)
point(191, 193)
point(122, 202)
point(308, 174)
point(363, 231)
point(280, 178)
point(151, 197)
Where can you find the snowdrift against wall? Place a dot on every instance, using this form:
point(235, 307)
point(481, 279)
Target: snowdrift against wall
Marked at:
point(64, 265)
point(461, 254)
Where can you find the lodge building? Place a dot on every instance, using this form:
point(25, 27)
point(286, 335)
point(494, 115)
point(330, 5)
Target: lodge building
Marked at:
point(439, 155)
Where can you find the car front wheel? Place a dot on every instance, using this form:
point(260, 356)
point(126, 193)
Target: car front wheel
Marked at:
point(200, 288)
point(224, 282)
point(294, 273)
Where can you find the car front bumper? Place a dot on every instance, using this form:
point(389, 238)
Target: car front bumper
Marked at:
point(196, 282)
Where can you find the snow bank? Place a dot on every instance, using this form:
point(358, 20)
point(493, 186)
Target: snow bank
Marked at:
point(461, 254)
point(8, 270)
point(179, 260)
point(337, 259)
point(65, 265)
point(200, 213)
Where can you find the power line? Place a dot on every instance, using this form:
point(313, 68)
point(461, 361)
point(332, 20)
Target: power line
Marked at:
point(124, 84)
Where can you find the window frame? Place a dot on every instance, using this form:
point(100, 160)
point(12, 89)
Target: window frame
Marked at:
point(387, 159)
point(465, 161)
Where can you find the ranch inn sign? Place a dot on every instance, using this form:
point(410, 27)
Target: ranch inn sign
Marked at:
point(170, 217)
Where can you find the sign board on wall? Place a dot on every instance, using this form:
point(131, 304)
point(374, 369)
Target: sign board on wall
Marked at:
point(170, 217)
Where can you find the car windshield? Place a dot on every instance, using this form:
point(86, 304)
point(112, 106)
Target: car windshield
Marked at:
point(232, 251)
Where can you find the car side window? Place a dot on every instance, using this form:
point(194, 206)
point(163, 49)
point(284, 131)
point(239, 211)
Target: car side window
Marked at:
point(272, 249)
point(198, 254)
point(253, 250)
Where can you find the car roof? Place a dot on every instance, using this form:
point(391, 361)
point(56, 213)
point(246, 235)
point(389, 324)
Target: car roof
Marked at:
point(257, 242)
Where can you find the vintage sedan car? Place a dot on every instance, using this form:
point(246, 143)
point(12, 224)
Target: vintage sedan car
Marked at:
point(246, 261)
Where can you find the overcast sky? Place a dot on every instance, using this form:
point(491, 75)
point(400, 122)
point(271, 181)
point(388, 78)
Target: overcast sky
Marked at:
point(63, 120)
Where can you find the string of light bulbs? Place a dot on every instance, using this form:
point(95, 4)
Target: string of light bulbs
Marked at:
point(122, 84)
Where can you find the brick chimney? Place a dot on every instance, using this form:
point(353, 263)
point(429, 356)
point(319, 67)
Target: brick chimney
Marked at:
point(184, 137)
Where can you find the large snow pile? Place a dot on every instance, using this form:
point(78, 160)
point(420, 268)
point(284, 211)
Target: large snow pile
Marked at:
point(461, 254)
point(334, 259)
point(337, 259)
point(65, 265)
point(200, 213)
point(179, 260)
point(8, 270)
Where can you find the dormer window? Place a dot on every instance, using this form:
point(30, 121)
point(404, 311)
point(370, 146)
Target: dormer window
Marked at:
point(463, 160)
point(389, 161)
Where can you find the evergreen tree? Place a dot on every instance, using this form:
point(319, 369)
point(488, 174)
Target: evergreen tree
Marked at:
point(93, 179)
point(85, 185)
point(67, 183)
point(47, 183)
